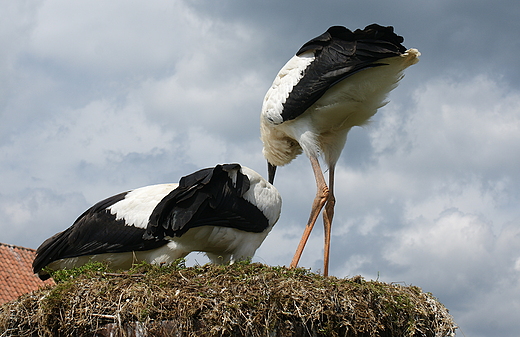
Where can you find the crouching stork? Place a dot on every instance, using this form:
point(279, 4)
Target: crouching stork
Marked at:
point(225, 211)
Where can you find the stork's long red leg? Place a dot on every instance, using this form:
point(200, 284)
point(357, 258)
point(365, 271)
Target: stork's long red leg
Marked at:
point(328, 214)
point(322, 195)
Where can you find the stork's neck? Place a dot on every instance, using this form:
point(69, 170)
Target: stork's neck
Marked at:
point(263, 195)
point(279, 149)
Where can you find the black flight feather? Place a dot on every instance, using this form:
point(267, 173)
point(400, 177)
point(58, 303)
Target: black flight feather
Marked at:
point(339, 53)
point(208, 197)
point(96, 231)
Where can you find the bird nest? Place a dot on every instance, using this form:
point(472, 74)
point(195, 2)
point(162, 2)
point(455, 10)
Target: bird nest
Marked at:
point(238, 300)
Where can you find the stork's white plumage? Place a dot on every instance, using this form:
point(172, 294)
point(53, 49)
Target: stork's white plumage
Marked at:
point(336, 81)
point(225, 211)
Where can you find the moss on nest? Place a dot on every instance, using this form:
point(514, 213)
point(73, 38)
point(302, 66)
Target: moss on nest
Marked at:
point(238, 300)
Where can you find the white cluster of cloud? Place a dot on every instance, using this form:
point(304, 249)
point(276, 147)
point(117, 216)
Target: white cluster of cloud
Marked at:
point(97, 98)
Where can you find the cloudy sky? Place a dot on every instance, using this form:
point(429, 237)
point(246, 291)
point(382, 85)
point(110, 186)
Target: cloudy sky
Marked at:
point(101, 97)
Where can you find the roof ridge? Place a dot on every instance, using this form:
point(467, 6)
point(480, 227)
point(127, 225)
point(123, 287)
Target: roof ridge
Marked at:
point(16, 246)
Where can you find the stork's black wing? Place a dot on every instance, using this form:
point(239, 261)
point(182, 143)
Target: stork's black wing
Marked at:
point(207, 197)
point(339, 53)
point(96, 231)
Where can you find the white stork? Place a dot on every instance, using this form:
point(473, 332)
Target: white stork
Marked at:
point(335, 81)
point(225, 211)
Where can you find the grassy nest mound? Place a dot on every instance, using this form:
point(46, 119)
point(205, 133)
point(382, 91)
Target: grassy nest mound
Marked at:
point(238, 300)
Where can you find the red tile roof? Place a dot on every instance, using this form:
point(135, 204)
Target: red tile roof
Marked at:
point(16, 275)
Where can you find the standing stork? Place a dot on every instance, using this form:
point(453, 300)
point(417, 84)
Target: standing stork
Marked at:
point(335, 81)
point(225, 211)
